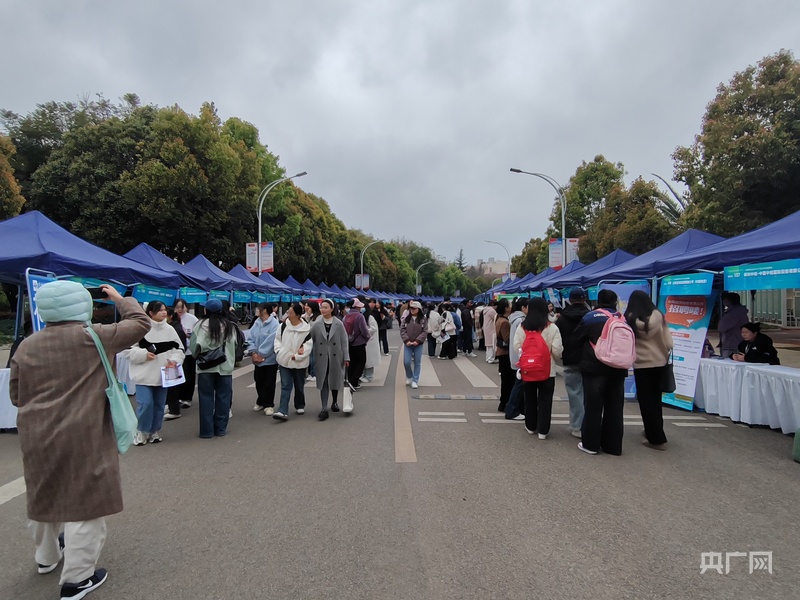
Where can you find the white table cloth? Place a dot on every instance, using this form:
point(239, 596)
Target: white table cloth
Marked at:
point(719, 387)
point(8, 412)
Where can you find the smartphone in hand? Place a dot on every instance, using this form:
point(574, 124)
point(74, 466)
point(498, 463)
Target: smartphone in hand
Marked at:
point(97, 293)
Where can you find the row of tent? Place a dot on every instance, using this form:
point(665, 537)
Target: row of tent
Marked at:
point(33, 241)
point(692, 250)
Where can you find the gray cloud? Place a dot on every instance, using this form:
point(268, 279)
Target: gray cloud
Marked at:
point(408, 115)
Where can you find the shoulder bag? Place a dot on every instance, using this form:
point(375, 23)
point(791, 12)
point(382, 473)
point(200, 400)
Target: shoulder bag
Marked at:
point(668, 377)
point(122, 415)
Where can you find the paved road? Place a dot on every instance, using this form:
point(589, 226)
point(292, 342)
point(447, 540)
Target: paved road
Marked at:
point(310, 510)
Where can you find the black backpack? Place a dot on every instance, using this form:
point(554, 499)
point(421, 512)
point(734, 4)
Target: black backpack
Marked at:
point(241, 341)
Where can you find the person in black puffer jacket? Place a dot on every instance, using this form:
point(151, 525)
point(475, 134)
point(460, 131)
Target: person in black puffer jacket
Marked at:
point(570, 317)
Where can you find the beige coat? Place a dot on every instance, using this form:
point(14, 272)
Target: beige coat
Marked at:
point(552, 337)
point(69, 451)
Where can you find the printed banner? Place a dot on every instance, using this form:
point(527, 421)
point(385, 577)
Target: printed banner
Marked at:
point(260, 297)
point(692, 284)
point(267, 256)
point(35, 281)
point(192, 295)
point(362, 279)
point(687, 318)
point(556, 254)
point(219, 295)
point(149, 293)
point(780, 275)
point(572, 249)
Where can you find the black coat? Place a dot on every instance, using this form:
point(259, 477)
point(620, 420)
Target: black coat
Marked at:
point(586, 335)
point(570, 317)
point(760, 350)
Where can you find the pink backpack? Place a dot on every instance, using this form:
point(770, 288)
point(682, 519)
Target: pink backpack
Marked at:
point(616, 346)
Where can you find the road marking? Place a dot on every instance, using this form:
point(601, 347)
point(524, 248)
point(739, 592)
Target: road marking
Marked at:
point(11, 490)
point(380, 373)
point(244, 371)
point(491, 414)
point(441, 420)
point(440, 414)
point(427, 375)
point(686, 418)
point(453, 397)
point(474, 375)
point(699, 425)
point(566, 422)
point(404, 450)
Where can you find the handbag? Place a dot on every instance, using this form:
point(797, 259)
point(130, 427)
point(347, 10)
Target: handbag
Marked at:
point(347, 400)
point(668, 377)
point(122, 415)
point(211, 358)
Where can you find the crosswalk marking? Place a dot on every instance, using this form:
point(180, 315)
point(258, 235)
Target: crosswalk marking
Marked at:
point(427, 376)
point(473, 374)
point(440, 414)
point(380, 373)
point(699, 424)
point(453, 397)
point(440, 420)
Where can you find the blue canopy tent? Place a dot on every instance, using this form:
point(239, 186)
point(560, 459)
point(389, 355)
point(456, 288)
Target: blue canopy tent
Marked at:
point(296, 286)
point(617, 257)
point(514, 285)
point(149, 256)
point(33, 241)
point(337, 291)
point(777, 241)
point(309, 288)
point(203, 265)
point(325, 289)
point(258, 285)
point(533, 282)
point(643, 266)
point(276, 286)
point(555, 279)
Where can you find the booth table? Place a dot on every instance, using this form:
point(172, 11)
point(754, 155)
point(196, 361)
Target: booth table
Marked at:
point(750, 393)
point(8, 412)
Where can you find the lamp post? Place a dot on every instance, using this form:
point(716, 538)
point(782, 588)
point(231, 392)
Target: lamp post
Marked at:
point(261, 197)
point(416, 287)
point(560, 191)
point(362, 261)
point(507, 252)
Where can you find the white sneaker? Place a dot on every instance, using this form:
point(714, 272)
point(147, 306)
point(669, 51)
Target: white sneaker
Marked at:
point(529, 431)
point(230, 414)
point(472, 355)
point(170, 417)
point(575, 433)
point(414, 385)
point(140, 439)
point(155, 438)
point(280, 416)
point(408, 381)
point(269, 411)
point(301, 411)
point(582, 449)
point(542, 436)
point(258, 408)
point(311, 378)
point(363, 379)
point(519, 418)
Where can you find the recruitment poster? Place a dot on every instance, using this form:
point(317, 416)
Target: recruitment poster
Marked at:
point(688, 318)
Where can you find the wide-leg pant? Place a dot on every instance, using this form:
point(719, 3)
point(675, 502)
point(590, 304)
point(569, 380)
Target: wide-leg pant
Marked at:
point(539, 404)
point(604, 401)
point(83, 541)
point(648, 393)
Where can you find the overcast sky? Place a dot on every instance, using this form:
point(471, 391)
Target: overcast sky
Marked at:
point(407, 114)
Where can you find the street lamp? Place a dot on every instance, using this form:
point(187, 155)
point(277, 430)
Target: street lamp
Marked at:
point(261, 197)
point(507, 252)
point(362, 261)
point(560, 191)
point(416, 287)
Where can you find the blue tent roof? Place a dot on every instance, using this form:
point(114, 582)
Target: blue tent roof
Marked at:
point(617, 257)
point(555, 278)
point(296, 286)
point(533, 282)
point(325, 289)
point(276, 286)
point(203, 265)
point(258, 284)
point(643, 266)
point(32, 240)
point(777, 241)
point(516, 284)
point(337, 290)
point(149, 256)
point(310, 287)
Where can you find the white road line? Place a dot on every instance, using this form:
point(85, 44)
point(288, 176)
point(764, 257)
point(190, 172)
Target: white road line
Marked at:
point(11, 490)
point(427, 376)
point(440, 420)
point(380, 373)
point(686, 418)
point(243, 371)
point(491, 414)
point(440, 414)
point(474, 375)
point(405, 450)
point(699, 425)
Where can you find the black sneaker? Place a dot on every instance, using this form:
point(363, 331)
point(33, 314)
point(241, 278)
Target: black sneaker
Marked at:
point(323, 414)
point(45, 569)
point(76, 591)
point(334, 407)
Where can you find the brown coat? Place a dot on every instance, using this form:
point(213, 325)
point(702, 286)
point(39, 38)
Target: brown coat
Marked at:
point(69, 451)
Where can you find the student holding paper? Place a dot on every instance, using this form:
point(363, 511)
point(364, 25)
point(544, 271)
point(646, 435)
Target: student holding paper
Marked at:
point(160, 347)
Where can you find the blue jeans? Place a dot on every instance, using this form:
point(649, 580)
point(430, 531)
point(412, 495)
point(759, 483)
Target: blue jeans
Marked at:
point(573, 380)
point(215, 392)
point(516, 400)
point(311, 362)
point(412, 353)
point(292, 378)
point(150, 401)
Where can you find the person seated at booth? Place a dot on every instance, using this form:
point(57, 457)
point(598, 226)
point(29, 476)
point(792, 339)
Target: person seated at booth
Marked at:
point(756, 347)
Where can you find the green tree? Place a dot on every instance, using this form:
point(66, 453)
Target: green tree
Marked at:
point(460, 262)
point(743, 169)
point(11, 199)
point(528, 260)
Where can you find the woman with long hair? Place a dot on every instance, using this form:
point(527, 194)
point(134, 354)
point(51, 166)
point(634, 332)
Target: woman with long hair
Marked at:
point(653, 347)
point(215, 383)
point(311, 315)
point(331, 355)
point(503, 344)
point(173, 393)
point(384, 324)
point(413, 331)
point(188, 321)
point(293, 347)
point(539, 394)
point(160, 347)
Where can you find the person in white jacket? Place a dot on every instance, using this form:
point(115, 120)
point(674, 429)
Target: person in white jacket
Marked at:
point(293, 349)
point(539, 394)
point(373, 345)
point(160, 347)
point(434, 330)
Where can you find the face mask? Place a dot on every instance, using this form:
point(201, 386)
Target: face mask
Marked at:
point(364, 309)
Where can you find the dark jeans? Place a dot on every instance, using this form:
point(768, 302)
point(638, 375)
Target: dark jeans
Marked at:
point(184, 391)
point(465, 340)
point(431, 345)
point(358, 360)
point(516, 400)
point(292, 379)
point(384, 341)
point(603, 401)
point(215, 392)
point(539, 404)
point(449, 348)
point(648, 393)
point(265, 378)
point(507, 379)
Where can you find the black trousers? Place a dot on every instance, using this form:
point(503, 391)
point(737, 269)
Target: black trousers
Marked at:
point(185, 391)
point(358, 360)
point(603, 402)
point(507, 378)
point(265, 378)
point(648, 393)
point(449, 348)
point(384, 341)
point(539, 404)
point(431, 345)
point(465, 341)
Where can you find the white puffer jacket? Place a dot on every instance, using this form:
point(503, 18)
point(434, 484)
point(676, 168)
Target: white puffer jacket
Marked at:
point(288, 342)
point(148, 372)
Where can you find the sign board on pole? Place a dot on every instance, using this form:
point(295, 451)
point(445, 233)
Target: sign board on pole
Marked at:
point(251, 257)
point(780, 275)
point(35, 280)
point(362, 279)
point(572, 249)
point(555, 254)
point(267, 257)
point(419, 290)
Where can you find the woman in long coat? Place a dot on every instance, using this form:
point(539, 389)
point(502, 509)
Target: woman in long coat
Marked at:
point(373, 345)
point(69, 450)
point(331, 356)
